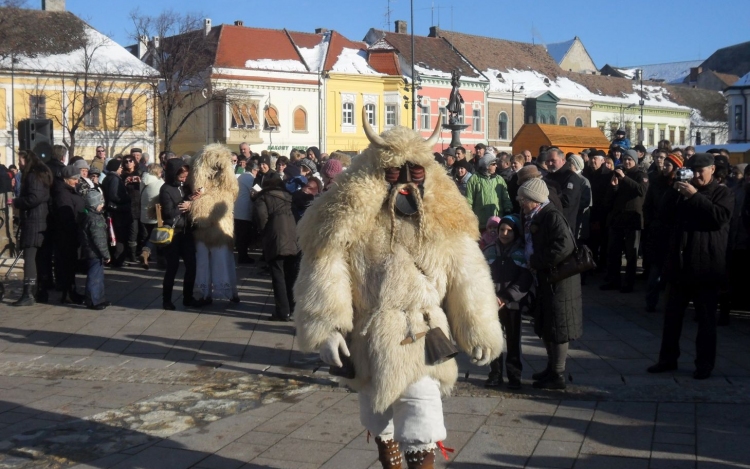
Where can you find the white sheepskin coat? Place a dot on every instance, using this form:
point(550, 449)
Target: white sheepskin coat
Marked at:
point(354, 280)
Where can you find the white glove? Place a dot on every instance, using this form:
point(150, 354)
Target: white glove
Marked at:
point(329, 351)
point(480, 355)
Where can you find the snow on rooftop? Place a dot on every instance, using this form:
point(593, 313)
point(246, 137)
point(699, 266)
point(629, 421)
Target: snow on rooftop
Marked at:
point(423, 69)
point(564, 88)
point(105, 57)
point(558, 50)
point(672, 72)
point(287, 65)
point(744, 81)
point(315, 57)
point(353, 61)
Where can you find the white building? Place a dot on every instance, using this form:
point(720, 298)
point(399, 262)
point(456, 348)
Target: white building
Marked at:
point(738, 112)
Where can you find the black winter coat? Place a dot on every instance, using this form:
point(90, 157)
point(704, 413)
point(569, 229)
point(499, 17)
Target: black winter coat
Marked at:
point(601, 202)
point(92, 234)
point(659, 217)
point(698, 246)
point(272, 214)
point(115, 194)
point(134, 192)
point(558, 310)
point(172, 194)
point(67, 206)
point(56, 167)
point(512, 281)
point(32, 203)
point(627, 201)
point(570, 187)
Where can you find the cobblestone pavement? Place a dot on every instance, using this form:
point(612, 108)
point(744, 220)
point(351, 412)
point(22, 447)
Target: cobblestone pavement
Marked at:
point(135, 386)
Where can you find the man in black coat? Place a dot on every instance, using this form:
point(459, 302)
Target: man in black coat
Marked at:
point(629, 184)
point(696, 265)
point(118, 206)
point(600, 178)
point(569, 184)
point(67, 205)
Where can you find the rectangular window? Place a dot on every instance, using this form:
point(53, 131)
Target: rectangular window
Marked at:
point(682, 136)
point(218, 117)
point(125, 113)
point(443, 116)
point(37, 107)
point(650, 140)
point(713, 138)
point(271, 119)
point(461, 114)
point(91, 112)
point(370, 113)
point(662, 134)
point(424, 115)
point(347, 114)
point(738, 117)
point(390, 115)
point(476, 120)
point(671, 136)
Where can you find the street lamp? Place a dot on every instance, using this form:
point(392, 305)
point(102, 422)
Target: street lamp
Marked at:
point(639, 77)
point(622, 115)
point(513, 92)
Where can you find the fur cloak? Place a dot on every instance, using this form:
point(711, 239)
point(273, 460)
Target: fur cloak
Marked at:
point(377, 277)
point(213, 212)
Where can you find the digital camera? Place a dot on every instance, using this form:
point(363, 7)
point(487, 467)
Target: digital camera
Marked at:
point(683, 175)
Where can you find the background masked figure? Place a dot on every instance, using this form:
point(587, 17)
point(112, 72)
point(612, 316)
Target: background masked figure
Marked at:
point(375, 279)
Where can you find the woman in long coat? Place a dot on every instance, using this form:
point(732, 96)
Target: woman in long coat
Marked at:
point(558, 311)
point(32, 203)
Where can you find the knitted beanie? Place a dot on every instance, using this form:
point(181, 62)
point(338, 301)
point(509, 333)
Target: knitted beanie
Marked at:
point(535, 190)
point(576, 162)
point(676, 160)
point(332, 168)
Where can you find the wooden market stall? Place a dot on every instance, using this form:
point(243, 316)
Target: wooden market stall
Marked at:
point(566, 138)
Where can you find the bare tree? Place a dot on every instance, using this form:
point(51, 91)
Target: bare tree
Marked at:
point(182, 51)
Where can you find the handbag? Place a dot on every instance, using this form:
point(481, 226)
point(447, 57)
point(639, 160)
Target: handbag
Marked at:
point(579, 261)
point(162, 235)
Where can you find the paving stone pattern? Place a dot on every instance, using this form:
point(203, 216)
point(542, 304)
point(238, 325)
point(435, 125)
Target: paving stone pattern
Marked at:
point(135, 386)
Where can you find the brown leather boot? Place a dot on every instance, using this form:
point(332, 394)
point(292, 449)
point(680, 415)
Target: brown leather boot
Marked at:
point(424, 459)
point(388, 453)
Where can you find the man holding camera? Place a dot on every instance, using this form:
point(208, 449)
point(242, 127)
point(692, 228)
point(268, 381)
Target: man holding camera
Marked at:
point(696, 264)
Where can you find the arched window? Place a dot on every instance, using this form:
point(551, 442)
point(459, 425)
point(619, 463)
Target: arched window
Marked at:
point(502, 124)
point(579, 122)
point(300, 119)
point(563, 121)
point(271, 119)
point(552, 120)
point(370, 112)
point(542, 119)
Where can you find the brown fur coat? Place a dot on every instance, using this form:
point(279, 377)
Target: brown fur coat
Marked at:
point(369, 275)
point(213, 211)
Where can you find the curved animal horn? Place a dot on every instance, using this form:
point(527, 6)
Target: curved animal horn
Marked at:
point(435, 133)
point(374, 138)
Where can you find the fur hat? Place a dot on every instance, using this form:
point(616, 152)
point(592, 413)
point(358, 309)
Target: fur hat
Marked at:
point(576, 162)
point(463, 164)
point(93, 199)
point(332, 168)
point(528, 172)
point(113, 165)
point(534, 189)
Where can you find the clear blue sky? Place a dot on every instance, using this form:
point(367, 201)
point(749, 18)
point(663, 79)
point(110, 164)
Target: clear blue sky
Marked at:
point(620, 32)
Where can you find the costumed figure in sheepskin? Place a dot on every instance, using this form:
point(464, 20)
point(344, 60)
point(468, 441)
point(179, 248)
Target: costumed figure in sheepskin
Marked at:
point(213, 221)
point(390, 273)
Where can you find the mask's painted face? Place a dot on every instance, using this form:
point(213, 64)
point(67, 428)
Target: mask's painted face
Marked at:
point(405, 174)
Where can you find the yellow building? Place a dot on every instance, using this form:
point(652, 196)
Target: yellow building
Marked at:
point(94, 92)
point(352, 85)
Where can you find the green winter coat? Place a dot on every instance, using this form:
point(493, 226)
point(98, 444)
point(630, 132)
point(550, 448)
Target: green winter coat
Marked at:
point(488, 197)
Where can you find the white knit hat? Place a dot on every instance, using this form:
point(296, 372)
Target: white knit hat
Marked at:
point(576, 162)
point(534, 189)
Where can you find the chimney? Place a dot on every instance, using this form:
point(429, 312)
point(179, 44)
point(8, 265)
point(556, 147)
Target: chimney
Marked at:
point(321, 30)
point(694, 72)
point(53, 5)
point(239, 23)
point(207, 26)
point(401, 26)
point(434, 31)
point(142, 46)
point(156, 42)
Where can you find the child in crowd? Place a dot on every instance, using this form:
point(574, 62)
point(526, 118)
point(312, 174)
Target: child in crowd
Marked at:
point(513, 283)
point(94, 248)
